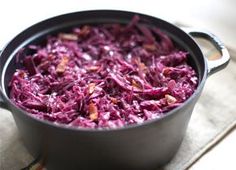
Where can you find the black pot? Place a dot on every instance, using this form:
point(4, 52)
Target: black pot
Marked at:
point(146, 146)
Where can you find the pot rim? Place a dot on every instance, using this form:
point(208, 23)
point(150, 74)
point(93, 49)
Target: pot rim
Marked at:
point(168, 114)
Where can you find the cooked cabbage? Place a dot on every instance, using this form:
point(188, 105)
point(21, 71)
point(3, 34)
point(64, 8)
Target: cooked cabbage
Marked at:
point(103, 76)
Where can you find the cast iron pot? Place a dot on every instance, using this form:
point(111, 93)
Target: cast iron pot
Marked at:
point(145, 146)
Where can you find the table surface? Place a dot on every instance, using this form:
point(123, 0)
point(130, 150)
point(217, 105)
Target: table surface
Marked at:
point(217, 16)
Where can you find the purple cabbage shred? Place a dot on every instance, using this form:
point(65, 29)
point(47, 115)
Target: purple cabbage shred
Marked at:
point(103, 76)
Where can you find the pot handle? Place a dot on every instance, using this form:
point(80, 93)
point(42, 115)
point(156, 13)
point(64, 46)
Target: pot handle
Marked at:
point(2, 103)
point(214, 65)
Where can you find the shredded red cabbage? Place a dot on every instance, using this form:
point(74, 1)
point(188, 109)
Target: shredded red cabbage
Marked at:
point(103, 76)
